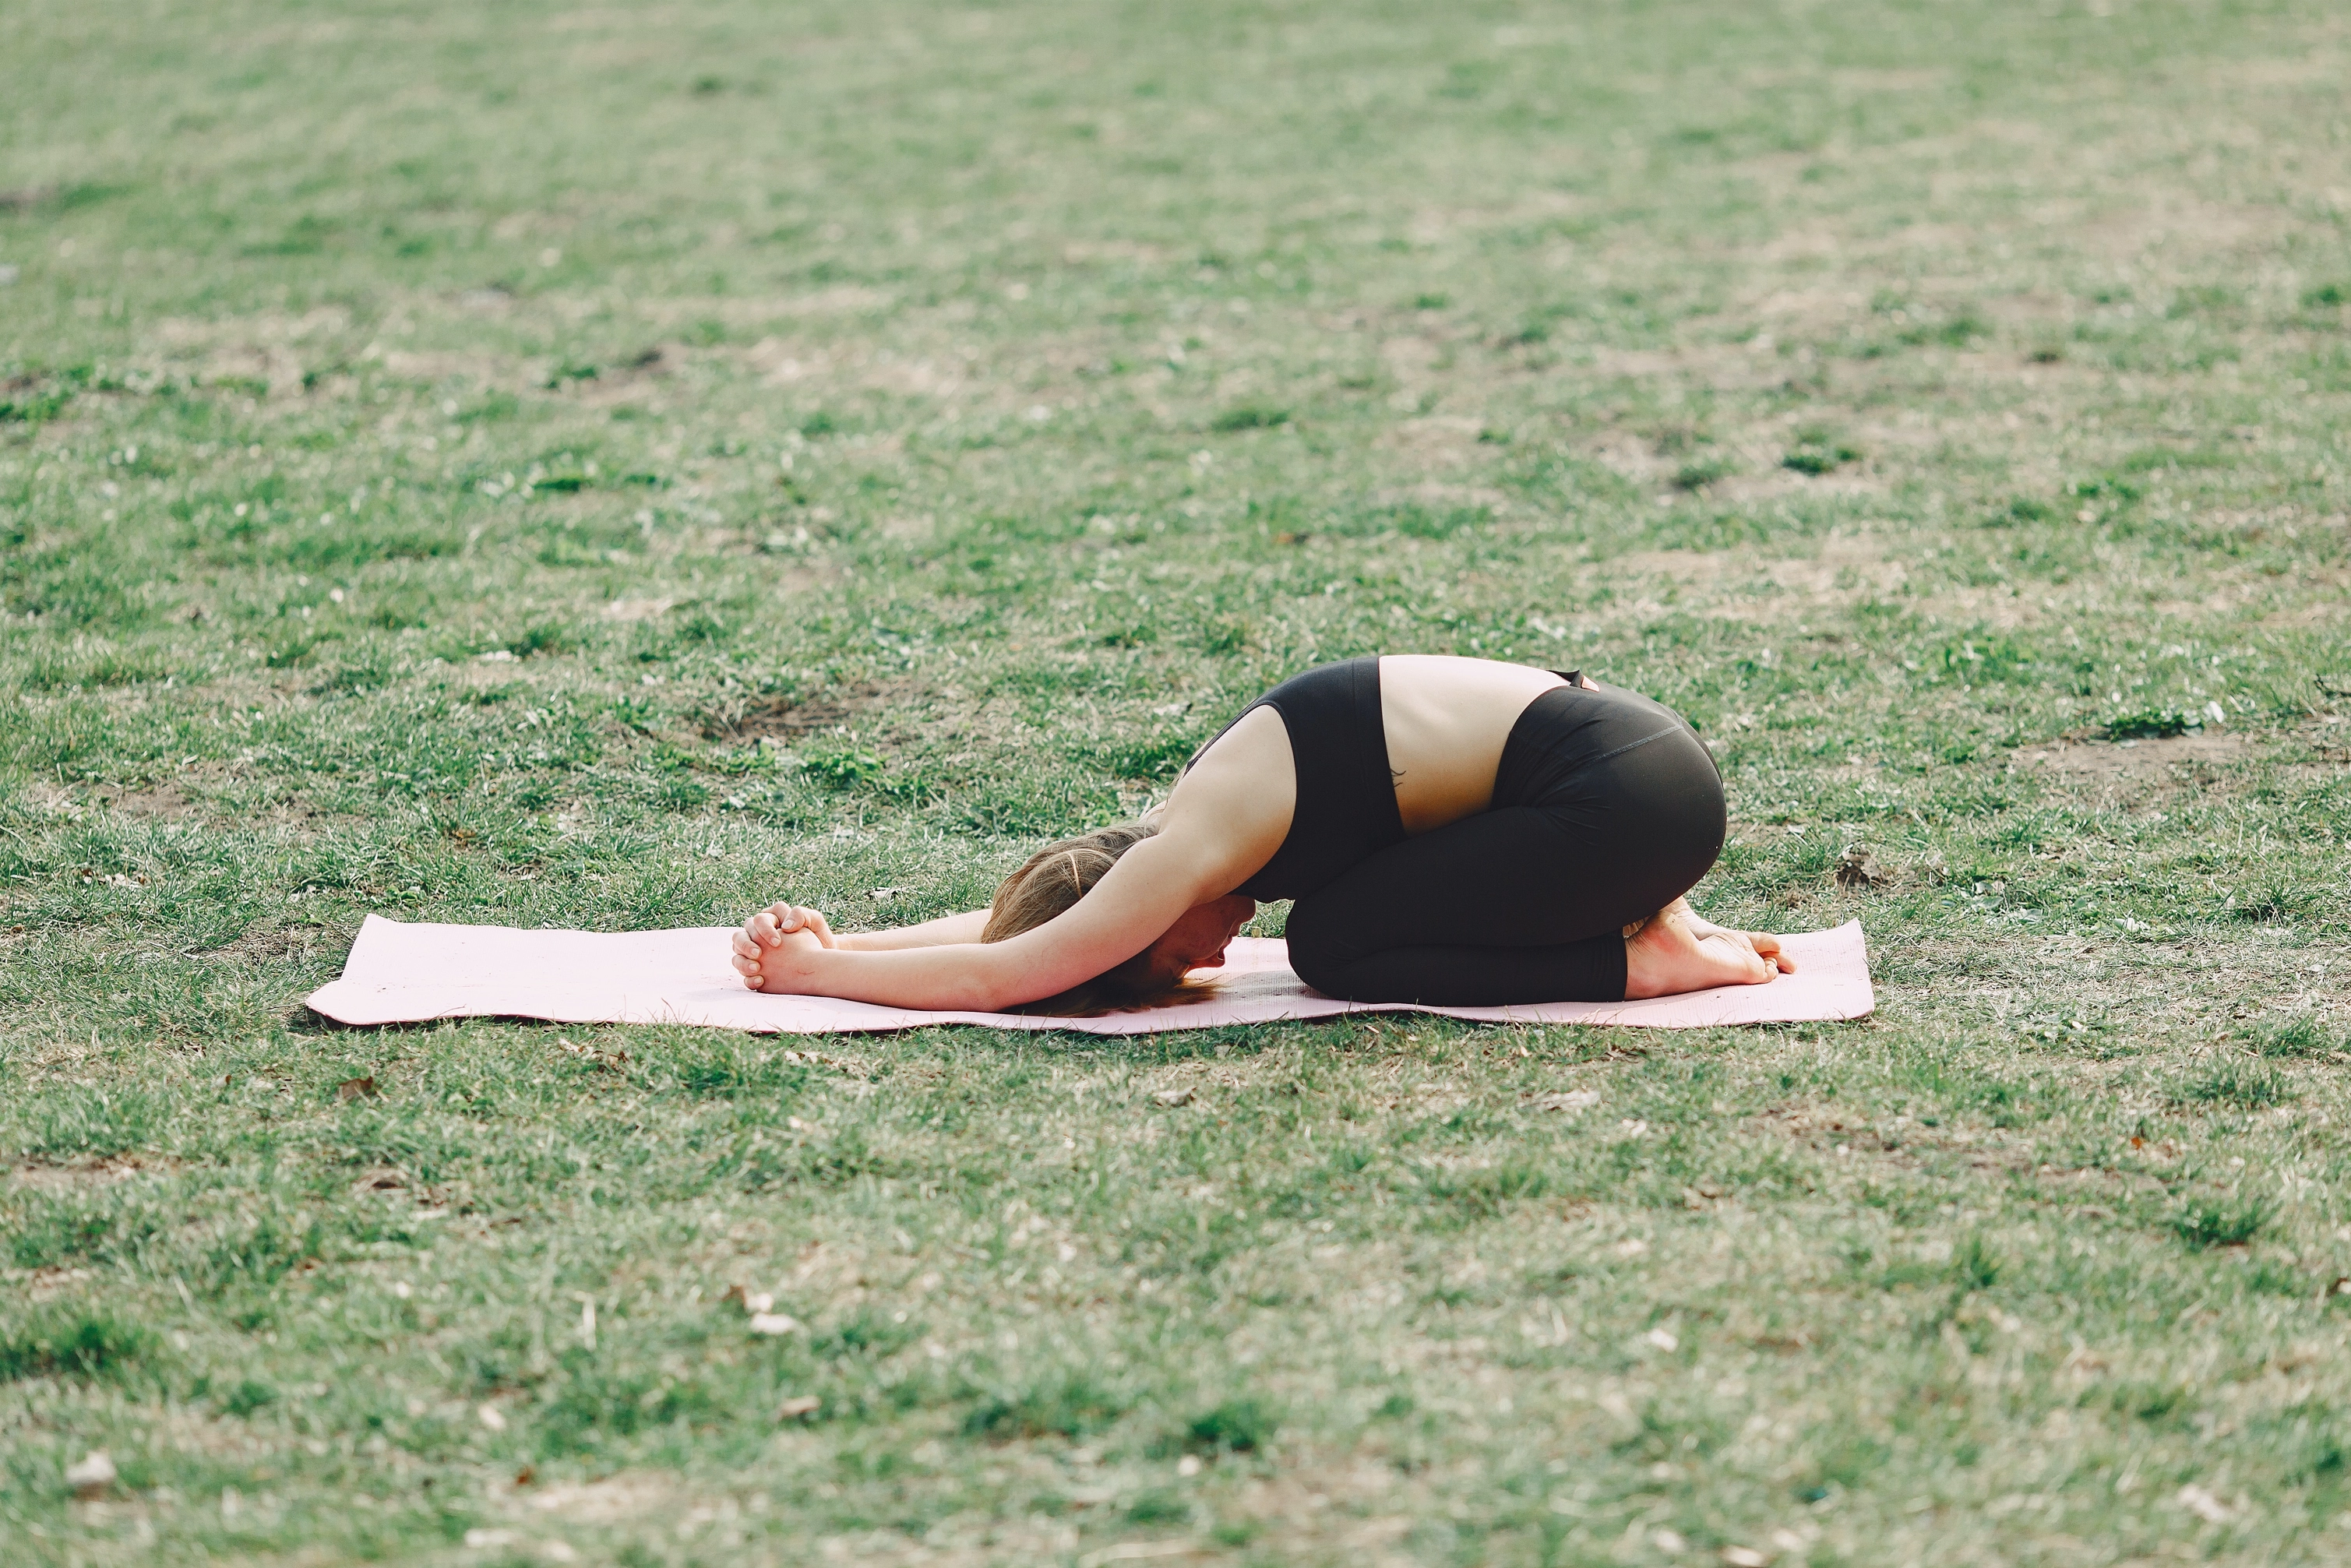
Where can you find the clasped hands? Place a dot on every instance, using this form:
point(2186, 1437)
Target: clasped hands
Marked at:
point(768, 944)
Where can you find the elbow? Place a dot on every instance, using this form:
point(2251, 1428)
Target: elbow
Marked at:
point(1001, 988)
point(999, 996)
point(987, 989)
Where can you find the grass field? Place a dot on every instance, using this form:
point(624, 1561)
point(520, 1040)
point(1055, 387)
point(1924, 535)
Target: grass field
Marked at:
point(612, 468)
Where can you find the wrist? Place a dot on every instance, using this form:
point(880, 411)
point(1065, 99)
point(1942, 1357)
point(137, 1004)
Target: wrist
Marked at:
point(799, 967)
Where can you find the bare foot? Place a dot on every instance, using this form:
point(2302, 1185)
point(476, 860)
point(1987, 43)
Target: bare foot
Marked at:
point(1766, 945)
point(1676, 951)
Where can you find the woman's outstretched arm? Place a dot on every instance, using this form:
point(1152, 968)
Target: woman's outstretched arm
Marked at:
point(1226, 819)
point(1137, 899)
point(946, 930)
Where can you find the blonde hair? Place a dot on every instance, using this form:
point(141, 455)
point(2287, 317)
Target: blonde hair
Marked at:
point(1048, 883)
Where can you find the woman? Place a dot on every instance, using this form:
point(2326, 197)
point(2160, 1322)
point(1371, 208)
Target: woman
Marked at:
point(1455, 832)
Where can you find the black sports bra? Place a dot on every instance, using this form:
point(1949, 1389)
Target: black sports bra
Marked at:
point(1346, 806)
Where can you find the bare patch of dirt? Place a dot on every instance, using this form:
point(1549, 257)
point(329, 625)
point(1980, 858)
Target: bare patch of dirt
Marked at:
point(46, 1285)
point(2310, 70)
point(1632, 457)
point(185, 1429)
point(639, 609)
point(1439, 440)
point(631, 378)
point(2174, 757)
point(1411, 357)
point(252, 348)
point(1772, 480)
point(1436, 225)
point(440, 366)
point(789, 718)
point(1077, 252)
point(616, 1499)
point(1861, 79)
point(841, 299)
point(1900, 1142)
point(2189, 228)
point(276, 366)
point(77, 1177)
point(1845, 569)
point(1724, 367)
point(269, 327)
point(1796, 313)
point(161, 800)
point(2325, 612)
point(380, 1178)
point(276, 943)
point(782, 361)
point(1359, 1504)
point(2330, 738)
point(912, 378)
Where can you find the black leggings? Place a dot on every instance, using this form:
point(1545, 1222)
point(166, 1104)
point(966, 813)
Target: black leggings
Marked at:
point(1607, 808)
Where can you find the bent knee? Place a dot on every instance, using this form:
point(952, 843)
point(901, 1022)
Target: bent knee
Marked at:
point(1316, 955)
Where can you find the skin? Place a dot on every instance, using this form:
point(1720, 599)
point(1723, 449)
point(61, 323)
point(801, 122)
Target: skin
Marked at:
point(1448, 720)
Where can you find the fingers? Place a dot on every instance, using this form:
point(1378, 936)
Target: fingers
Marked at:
point(757, 932)
point(769, 927)
point(772, 925)
point(795, 917)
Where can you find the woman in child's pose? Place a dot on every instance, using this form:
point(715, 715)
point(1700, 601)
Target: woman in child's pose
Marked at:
point(1456, 832)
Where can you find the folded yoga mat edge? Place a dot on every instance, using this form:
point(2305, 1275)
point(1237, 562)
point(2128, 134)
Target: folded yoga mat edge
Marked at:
point(403, 972)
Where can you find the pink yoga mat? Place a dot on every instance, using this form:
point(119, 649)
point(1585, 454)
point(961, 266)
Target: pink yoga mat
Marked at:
point(399, 973)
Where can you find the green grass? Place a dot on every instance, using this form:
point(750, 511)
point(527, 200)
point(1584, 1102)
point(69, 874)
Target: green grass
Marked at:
point(612, 468)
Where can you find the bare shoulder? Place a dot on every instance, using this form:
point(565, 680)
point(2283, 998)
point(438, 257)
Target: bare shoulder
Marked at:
point(1250, 762)
point(1232, 808)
